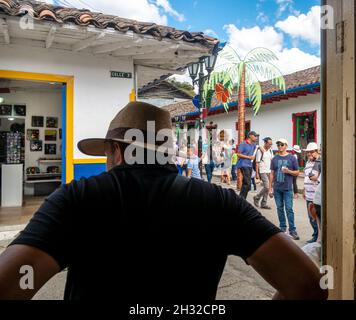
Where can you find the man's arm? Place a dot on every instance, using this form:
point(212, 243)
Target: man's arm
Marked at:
point(243, 156)
point(46, 244)
point(271, 178)
point(295, 169)
point(286, 267)
point(258, 170)
point(240, 154)
point(189, 172)
point(12, 259)
point(294, 173)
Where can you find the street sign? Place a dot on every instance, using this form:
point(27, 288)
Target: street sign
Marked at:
point(119, 74)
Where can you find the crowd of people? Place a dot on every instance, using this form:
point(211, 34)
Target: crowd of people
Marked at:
point(275, 171)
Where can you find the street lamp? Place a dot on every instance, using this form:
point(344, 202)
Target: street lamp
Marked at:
point(210, 62)
point(194, 68)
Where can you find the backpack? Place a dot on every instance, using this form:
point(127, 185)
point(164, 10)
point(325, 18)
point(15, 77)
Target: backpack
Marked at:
point(254, 166)
point(254, 161)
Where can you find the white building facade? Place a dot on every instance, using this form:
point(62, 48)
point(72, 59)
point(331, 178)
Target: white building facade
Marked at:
point(99, 61)
point(294, 114)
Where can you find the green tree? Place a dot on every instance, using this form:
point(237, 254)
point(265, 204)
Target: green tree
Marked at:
point(184, 86)
point(244, 76)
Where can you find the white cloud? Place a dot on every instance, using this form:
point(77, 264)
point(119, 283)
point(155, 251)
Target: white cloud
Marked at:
point(262, 18)
point(285, 5)
point(290, 60)
point(303, 26)
point(168, 9)
point(141, 10)
point(211, 32)
point(246, 39)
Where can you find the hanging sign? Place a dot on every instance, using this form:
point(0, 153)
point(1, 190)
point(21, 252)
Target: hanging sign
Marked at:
point(119, 74)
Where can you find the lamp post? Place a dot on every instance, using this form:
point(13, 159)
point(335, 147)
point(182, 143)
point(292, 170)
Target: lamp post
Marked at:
point(194, 68)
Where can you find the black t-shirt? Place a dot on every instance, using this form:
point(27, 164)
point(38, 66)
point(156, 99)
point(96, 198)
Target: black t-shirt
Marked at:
point(145, 233)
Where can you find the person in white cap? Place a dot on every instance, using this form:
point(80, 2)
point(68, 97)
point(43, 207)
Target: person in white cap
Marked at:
point(310, 186)
point(284, 167)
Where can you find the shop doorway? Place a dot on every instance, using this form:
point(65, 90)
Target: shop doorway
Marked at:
point(31, 143)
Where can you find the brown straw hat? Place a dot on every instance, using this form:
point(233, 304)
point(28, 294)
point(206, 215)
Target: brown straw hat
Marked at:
point(134, 115)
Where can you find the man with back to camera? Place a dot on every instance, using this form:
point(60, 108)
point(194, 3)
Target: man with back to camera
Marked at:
point(159, 236)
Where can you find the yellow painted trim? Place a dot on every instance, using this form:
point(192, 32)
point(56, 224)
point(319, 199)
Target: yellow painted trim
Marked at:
point(89, 161)
point(132, 95)
point(69, 81)
point(70, 130)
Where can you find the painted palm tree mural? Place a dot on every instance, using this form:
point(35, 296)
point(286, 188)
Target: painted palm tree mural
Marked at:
point(243, 76)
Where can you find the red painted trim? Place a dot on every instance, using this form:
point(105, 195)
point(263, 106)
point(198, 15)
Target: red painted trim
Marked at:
point(264, 102)
point(294, 120)
point(304, 114)
point(315, 127)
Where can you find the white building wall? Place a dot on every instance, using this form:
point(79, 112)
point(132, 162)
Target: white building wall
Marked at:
point(97, 96)
point(274, 120)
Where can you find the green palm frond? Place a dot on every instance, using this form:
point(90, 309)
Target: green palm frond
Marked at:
point(260, 54)
point(255, 94)
point(266, 70)
point(254, 90)
point(258, 65)
point(235, 74)
point(226, 106)
point(230, 54)
point(209, 98)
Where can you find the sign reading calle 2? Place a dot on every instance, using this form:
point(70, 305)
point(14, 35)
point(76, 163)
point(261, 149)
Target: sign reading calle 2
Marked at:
point(119, 74)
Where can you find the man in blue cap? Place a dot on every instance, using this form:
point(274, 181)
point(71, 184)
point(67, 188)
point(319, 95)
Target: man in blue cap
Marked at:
point(246, 154)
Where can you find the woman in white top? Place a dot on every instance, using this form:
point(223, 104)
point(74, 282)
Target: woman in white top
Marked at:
point(310, 186)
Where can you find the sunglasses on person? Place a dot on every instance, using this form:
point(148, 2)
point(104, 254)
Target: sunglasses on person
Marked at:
point(279, 144)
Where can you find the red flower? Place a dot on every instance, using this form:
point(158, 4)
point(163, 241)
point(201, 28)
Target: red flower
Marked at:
point(221, 93)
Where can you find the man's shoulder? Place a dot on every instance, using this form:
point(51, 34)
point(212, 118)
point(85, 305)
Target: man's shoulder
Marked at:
point(203, 188)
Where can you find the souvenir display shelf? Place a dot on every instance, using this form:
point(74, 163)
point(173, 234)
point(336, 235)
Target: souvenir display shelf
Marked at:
point(44, 177)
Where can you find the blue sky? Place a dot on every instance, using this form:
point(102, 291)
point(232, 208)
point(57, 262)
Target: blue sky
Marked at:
point(213, 15)
point(290, 28)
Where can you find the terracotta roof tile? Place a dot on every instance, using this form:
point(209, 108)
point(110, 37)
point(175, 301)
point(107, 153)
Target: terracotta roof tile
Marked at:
point(293, 80)
point(83, 17)
point(296, 79)
point(177, 109)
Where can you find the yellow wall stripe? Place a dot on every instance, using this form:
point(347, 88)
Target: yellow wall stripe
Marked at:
point(89, 161)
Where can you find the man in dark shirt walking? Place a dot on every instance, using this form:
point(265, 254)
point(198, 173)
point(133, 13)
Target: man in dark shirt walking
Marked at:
point(246, 154)
point(284, 167)
point(159, 237)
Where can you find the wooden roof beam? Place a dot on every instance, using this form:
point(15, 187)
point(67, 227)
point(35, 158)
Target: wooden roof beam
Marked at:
point(50, 37)
point(81, 45)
